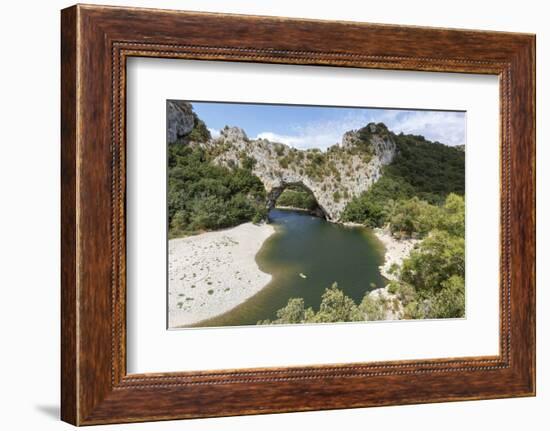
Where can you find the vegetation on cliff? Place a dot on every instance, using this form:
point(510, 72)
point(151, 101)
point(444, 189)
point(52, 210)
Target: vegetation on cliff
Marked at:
point(295, 196)
point(421, 169)
point(204, 196)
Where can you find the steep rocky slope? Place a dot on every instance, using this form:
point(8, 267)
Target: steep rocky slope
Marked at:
point(180, 120)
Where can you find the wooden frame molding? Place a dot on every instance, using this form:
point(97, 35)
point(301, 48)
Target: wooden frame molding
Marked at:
point(95, 43)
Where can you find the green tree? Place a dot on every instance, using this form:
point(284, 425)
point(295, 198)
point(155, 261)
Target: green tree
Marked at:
point(374, 207)
point(433, 169)
point(412, 216)
point(431, 280)
point(372, 308)
point(452, 216)
point(293, 312)
point(450, 301)
point(438, 257)
point(336, 307)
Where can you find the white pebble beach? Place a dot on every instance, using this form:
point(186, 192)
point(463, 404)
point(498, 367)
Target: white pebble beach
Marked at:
point(213, 272)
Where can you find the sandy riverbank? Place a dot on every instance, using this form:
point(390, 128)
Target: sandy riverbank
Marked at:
point(211, 273)
point(396, 250)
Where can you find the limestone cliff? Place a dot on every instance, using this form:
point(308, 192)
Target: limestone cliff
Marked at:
point(333, 176)
point(180, 120)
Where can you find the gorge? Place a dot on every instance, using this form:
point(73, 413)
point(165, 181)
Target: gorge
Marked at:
point(228, 267)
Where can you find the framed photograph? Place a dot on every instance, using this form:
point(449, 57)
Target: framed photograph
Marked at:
point(263, 214)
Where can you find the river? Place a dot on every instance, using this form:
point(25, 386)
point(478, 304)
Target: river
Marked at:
point(305, 256)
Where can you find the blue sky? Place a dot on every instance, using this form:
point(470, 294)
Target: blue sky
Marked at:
point(319, 127)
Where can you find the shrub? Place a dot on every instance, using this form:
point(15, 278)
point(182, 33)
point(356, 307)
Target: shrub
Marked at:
point(373, 308)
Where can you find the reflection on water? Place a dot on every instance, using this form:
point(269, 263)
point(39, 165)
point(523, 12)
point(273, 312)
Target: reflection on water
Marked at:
point(305, 256)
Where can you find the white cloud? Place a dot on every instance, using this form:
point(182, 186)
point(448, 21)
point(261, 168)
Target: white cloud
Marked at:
point(445, 127)
point(292, 141)
point(215, 133)
point(318, 134)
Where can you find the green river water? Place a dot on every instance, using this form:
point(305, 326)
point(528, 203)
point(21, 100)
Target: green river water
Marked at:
point(324, 252)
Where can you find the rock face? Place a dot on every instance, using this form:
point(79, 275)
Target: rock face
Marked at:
point(333, 176)
point(180, 120)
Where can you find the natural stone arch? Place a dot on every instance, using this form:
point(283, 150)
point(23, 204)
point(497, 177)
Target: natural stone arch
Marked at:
point(351, 167)
point(276, 191)
point(355, 164)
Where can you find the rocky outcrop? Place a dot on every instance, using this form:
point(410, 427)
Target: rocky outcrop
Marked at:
point(333, 176)
point(180, 120)
point(389, 304)
point(378, 139)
